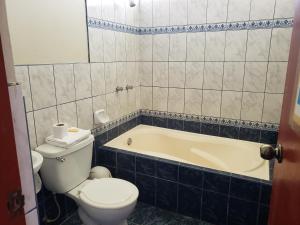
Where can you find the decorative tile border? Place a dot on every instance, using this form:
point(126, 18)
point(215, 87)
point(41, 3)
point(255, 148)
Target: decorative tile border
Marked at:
point(108, 25)
point(212, 120)
point(186, 117)
point(213, 27)
point(235, 129)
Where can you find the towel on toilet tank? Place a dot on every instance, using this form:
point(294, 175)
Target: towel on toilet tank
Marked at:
point(70, 139)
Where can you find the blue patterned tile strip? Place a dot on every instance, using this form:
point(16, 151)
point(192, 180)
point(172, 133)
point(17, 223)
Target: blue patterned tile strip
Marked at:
point(211, 120)
point(213, 27)
point(209, 195)
point(236, 129)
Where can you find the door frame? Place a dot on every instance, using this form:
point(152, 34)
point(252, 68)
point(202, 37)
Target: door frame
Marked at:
point(9, 168)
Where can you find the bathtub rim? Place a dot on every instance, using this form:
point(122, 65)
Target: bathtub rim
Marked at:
point(113, 143)
point(204, 169)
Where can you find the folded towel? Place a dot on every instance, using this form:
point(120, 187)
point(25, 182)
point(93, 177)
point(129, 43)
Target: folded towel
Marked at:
point(70, 139)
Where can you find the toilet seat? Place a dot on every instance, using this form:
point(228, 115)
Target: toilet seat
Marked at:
point(108, 193)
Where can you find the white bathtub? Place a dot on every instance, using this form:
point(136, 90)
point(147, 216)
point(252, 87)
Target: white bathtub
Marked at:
point(229, 155)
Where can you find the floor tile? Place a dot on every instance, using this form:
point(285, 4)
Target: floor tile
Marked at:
point(145, 214)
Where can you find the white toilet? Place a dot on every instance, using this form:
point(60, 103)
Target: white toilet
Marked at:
point(106, 201)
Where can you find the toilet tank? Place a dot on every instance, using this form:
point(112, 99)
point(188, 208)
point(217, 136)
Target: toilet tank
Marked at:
point(65, 168)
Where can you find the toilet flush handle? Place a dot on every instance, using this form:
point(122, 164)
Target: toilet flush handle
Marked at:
point(60, 159)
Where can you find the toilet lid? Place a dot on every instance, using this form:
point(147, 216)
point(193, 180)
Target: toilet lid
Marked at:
point(108, 192)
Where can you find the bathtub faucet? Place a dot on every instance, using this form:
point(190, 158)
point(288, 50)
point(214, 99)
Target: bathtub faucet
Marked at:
point(128, 87)
point(119, 89)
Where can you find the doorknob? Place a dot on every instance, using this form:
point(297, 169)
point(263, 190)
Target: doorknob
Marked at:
point(268, 152)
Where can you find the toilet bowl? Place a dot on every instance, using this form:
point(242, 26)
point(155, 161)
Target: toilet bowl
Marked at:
point(105, 201)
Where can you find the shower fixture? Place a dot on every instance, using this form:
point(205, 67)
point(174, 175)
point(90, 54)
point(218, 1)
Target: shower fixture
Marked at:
point(132, 3)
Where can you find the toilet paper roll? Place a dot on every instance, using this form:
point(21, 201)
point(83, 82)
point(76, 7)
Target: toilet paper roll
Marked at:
point(60, 130)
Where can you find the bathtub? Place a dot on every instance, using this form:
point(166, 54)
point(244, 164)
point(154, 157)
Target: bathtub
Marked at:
point(229, 155)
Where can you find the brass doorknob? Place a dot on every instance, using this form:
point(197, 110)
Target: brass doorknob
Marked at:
point(268, 152)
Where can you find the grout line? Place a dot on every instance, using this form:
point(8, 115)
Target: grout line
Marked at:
point(268, 63)
point(55, 93)
point(225, 45)
point(246, 51)
point(33, 114)
point(75, 100)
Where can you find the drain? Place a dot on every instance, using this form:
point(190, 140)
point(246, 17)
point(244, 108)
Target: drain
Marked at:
point(129, 141)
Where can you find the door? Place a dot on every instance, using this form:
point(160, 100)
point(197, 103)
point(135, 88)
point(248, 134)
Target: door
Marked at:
point(285, 199)
point(11, 212)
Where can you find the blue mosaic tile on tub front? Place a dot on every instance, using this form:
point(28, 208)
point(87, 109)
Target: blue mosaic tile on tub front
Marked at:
point(145, 165)
point(166, 194)
point(242, 212)
point(106, 157)
point(266, 189)
point(189, 201)
point(125, 161)
point(263, 214)
point(125, 175)
point(190, 176)
point(216, 182)
point(214, 208)
point(167, 170)
point(147, 188)
point(244, 189)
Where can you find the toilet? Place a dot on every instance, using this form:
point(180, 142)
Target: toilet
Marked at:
point(106, 201)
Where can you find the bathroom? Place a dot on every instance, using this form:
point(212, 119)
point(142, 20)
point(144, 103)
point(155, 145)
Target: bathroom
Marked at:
point(188, 111)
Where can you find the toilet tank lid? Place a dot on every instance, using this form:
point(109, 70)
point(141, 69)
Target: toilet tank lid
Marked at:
point(51, 151)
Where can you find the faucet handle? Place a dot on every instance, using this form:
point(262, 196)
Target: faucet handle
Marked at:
point(118, 88)
point(128, 87)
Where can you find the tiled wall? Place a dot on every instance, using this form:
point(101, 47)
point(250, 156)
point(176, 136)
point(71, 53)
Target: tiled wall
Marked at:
point(236, 74)
point(232, 73)
point(72, 92)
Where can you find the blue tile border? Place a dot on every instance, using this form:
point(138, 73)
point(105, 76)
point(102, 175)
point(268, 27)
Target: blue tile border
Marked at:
point(108, 25)
point(185, 122)
point(172, 185)
point(235, 129)
point(211, 120)
point(213, 27)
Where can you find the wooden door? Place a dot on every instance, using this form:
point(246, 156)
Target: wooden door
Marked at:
point(9, 170)
point(285, 199)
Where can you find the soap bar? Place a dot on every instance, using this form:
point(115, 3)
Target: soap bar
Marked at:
point(73, 129)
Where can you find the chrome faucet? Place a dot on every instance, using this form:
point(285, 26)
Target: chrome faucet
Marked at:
point(119, 89)
point(128, 87)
